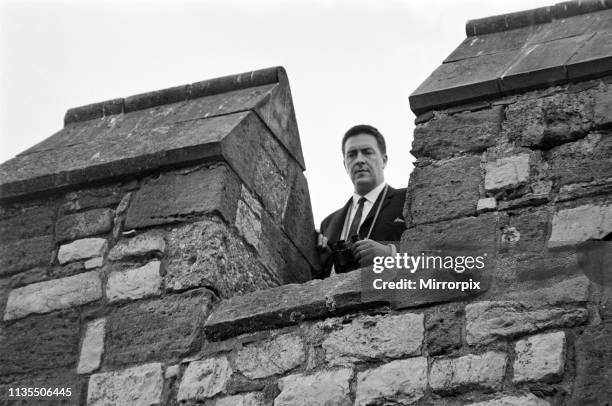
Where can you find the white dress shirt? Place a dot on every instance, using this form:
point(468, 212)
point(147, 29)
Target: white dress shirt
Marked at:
point(370, 197)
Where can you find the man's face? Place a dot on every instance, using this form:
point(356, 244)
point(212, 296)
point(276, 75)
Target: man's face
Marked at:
point(364, 162)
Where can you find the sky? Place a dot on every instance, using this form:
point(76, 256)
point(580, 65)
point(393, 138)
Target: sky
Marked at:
point(349, 62)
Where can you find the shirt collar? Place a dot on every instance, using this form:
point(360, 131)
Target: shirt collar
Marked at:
point(371, 196)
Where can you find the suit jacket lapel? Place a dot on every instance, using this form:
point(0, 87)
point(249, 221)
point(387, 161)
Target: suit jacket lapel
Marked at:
point(365, 226)
point(337, 222)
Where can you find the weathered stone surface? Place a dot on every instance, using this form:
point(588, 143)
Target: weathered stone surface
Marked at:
point(24, 254)
point(568, 291)
point(487, 321)
point(373, 337)
point(585, 160)
point(83, 224)
point(507, 172)
point(137, 386)
point(135, 283)
point(578, 224)
point(147, 243)
point(178, 195)
point(155, 330)
point(449, 135)
point(540, 357)
point(44, 297)
point(92, 347)
point(443, 190)
point(27, 222)
point(603, 105)
point(485, 370)
point(322, 388)
point(93, 263)
point(207, 253)
point(593, 372)
point(486, 204)
point(248, 217)
point(205, 379)
point(98, 197)
point(402, 381)
point(549, 121)
point(522, 400)
point(82, 249)
point(40, 342)
point(247, 399)
point(525, 230)
point(443, 327)
point(277, 356)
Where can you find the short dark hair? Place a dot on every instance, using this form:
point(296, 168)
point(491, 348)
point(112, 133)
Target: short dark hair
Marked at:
point(366, 129)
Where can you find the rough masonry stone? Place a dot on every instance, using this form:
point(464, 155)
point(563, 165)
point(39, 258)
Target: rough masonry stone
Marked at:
point(138, 386)
point(83, 224)
point(540, 357)
point(92, 347)
point(372, 337)
point(160, 329)
point(593, 359)
point(578, 224)
point(585, 160)
point(49, 341)
point(403, 381)
point(248, 217)
point(135, 283)
point(321, 388)
point(277, 356)
point(506, 172)
point(247, 399)
point(82, 249)
point(443, 190)
point(44, 297)
point(205, 379)
point(448, 135)
point(522, 400)
point(93, 263)
point(150, 242)
point(485, 370)
point(25, 254)
point(486, 204)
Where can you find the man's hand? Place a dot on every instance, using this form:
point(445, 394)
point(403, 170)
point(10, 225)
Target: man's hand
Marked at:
point(365, 251)
point(322, 247)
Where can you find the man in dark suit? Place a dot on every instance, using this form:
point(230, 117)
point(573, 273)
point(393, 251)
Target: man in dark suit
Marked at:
point(374, 212)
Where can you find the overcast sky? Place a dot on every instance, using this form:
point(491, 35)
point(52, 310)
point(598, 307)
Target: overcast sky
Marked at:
point(349, 62)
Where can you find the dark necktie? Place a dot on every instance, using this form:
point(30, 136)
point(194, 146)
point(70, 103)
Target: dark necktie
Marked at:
point(354, 229)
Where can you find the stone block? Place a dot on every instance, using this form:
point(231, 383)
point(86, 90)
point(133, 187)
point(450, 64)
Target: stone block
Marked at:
point(248, 217)
point(585, 160)
point(519, 400)
point(277, 356)
point(134, 283)
point(93, 263)
point(484, 371)
point(83, 224)
point(446, 136)
point(205, 379)
point(483, 44)
point(27, 222)
point(82, 249)
point(247, 399)
point(98, 197)
point(544, 122)
point(525, 230)
point(540, 357)
point(157, 329)
point(138, 386)
point(179, 195)
point(373, 337)
point(207, 253)
point(145, 244)
point(593, 373)
point(40, 343)
point(578, 224)
point(486, 204)
point(44, 297)
point(592, 59)
point(321, 388)
point(506, 172)
point(603, 105)
point(92, 347)
point(443, 326)
point(488, 321)
point(402, 381)
point(443, 190)
point(25, 254)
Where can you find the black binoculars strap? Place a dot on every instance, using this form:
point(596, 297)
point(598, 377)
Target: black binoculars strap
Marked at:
point(377, 211)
